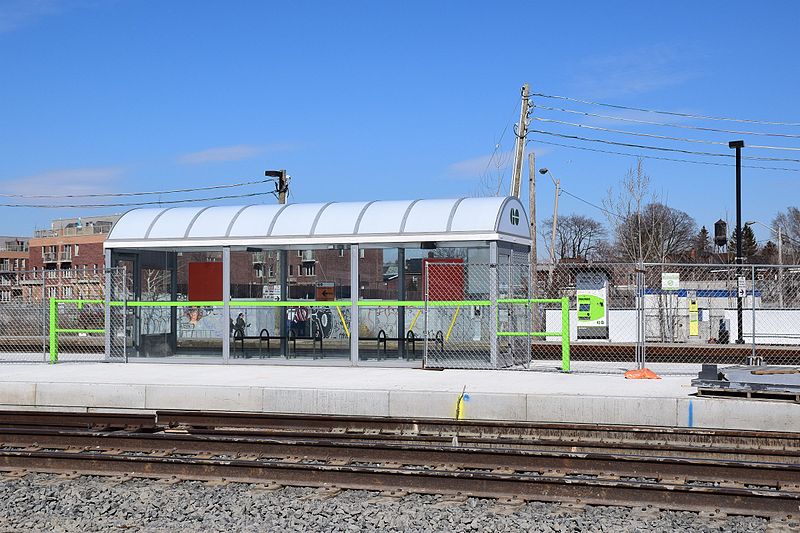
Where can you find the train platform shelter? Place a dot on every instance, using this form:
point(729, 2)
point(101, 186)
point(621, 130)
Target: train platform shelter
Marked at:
point(393, 392)
point(379, 282)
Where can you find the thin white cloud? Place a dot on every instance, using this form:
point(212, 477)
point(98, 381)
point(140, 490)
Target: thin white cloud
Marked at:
point(636, 71)
point(15, 14)
point(489, 164)
point(89, 180)
point(236, 152)
point(476, 167)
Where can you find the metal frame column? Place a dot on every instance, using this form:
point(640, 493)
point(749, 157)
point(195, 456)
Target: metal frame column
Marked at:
point(401, 295)
point(494, 348)
point(354, 290)
point(283, 267)
point(226, 303)
point(108, 297)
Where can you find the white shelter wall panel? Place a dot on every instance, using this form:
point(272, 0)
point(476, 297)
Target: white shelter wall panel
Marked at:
point(383, 217)
point(339, 218)
point(254, 220)
point(213, 222)
point(429, 216)
point(174, 223)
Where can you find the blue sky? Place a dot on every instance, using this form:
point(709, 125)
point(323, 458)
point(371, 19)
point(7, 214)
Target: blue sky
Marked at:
point(389, 100)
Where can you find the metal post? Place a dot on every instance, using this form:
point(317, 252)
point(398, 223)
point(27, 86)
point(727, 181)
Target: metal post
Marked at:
point(401, 295)
point(108, 297)
point(53, 331)
point(565, 335)
point(44, 315)
point(780, 268)
point(226, 303)
point(283, 260)
point(172, 262)
point(494, 348)
point(354, 290)
point(641, 344)
point(754, 360)
point(738, 145)
point(425, 265)
point(533, 262)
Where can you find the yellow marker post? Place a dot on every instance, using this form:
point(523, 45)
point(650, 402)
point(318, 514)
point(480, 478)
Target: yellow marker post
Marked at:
point(460, 407)
point(413, 322)
point(452, 324)
point(341, 317)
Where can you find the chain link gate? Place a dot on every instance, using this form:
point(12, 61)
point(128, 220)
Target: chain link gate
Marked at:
point(60, 315)
point(482, 316)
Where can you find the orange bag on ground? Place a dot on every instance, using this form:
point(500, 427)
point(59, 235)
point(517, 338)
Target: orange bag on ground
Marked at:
point(641, 373)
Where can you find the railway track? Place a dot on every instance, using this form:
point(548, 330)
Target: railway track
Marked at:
point(754, 473)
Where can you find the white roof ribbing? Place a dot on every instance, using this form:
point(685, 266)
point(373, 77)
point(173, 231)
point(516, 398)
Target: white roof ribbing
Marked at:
point(462, 219)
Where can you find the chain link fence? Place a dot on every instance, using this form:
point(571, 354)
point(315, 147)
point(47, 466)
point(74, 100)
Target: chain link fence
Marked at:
point(671, 318)
point(60, 315)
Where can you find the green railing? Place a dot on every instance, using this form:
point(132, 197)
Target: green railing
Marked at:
point(564, 333)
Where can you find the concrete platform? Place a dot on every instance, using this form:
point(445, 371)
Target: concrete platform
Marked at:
point(400, 392)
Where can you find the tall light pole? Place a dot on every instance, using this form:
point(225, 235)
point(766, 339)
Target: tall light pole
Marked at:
point(776, 230)
point(557, 183)
point(738, 145)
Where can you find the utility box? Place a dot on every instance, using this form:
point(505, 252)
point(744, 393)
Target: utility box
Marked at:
point(592, 291)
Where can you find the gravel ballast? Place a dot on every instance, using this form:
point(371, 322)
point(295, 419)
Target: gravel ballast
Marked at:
point(39, 502)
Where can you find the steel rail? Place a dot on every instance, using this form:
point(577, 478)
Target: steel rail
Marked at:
point(439, 480)
point(721, 444)
point(656, 467)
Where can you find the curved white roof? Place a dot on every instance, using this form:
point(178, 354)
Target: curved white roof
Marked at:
point(454, 220)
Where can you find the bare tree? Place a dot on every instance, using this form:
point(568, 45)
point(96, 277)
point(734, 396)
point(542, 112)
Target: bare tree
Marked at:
point(644, 228)
point(789, 224)
point(577, 237)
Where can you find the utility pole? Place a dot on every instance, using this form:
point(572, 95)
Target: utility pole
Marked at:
point(738, 145)
point(519, 146)
point(282, 185)
point(532, 213)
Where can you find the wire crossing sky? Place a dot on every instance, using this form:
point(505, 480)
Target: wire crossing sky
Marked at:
point(392, 100)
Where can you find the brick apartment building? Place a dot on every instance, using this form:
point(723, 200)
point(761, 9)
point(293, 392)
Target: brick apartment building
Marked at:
point(13, 260)
point(69, 256)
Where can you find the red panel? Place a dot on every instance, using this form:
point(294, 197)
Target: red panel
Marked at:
point(205, 282)
point(445, 278)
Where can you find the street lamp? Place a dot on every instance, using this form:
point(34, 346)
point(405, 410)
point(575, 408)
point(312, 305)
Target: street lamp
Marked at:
point(777, 230)
point(738, 145)
point(557, 183)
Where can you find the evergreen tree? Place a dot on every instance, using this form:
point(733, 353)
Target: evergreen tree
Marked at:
point(749, 243)
point(702, 244)
point(769, 254)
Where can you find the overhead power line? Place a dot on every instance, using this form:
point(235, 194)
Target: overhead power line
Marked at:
point(661, 148)
point(672, 113)
point(677, 160)
point(656, 136)
point(587, 202)
point(667, 124)
point(138, 204)
point(146, 193)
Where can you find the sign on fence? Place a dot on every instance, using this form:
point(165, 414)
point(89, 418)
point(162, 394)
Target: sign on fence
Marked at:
point(670, 281)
